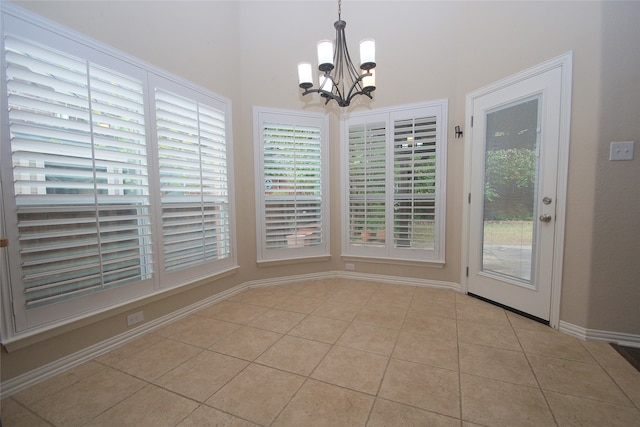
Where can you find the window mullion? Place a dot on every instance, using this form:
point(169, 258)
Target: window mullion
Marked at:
point(203, 237)
point(390, 188)
point(94, 172)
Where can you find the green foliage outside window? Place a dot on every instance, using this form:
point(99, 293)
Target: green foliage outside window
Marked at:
point(510, 172)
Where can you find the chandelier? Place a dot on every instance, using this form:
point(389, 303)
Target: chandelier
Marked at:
point(346, 82)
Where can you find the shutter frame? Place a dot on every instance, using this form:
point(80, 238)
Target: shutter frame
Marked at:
point(417, 164)
point(55, 179)
point(193, 181)
point(291, 184)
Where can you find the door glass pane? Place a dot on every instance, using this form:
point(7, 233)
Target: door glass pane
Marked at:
point(510, 190)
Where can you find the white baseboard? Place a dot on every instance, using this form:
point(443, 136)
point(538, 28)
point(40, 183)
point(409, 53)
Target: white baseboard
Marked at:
point(395, 280)
point(287, 280)
point(629, 340)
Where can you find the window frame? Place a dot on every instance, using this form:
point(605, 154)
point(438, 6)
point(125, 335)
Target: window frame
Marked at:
point(17, 320)
point(262, 115)
point(385, 251)
point(203, 271)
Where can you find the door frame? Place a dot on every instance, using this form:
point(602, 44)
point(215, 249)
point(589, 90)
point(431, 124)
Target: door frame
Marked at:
point(565, 63)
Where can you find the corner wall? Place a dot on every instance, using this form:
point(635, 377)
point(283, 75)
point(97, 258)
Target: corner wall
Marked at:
point(615, 267)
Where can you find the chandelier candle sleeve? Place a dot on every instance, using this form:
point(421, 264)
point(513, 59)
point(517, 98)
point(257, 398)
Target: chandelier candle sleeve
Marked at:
point(367, 54)
point(325, 55)
point(305, 75)
point(326, 83)
point(369, 81)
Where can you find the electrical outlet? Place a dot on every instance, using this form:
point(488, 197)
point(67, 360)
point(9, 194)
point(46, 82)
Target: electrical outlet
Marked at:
point(134, 318)
point(621, 150)
point(350, 266)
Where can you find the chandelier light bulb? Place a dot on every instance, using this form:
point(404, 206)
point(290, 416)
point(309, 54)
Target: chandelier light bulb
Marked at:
point(325, 55)
point(305, 75)
point(367, 54)
point(326, 83)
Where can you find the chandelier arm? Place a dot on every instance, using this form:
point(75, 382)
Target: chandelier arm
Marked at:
point(343, 102)
point(339, 58)
point(328, 95)
point(360, 90)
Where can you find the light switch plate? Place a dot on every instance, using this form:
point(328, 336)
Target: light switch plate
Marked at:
point(621, 150)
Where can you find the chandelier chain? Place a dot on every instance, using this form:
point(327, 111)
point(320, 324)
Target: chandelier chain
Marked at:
point(339, 9)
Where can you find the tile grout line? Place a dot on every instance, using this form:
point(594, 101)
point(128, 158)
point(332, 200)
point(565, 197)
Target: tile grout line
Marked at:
point(533, 372)
point(202, 350)
point(606, 371)
point(331, 296)
point(307, 378)
point(393, 349)
point(28, 409)
point(254, 362)
point(351, 322)
point(459, 364)
point(249, 362)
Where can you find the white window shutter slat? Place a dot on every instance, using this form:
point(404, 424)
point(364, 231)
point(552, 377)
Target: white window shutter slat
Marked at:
point(193, 172)
point(414, 195)
point(367, 183)
point(395, 191)
point(74, 237)
point(290, 186)
point(293, 195)
point(85, 135)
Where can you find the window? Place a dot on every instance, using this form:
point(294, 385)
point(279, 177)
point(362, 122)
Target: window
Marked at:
point(80, 174)
point(89, 226)
point(193, 181)
point(291, 188)
point(394, 168)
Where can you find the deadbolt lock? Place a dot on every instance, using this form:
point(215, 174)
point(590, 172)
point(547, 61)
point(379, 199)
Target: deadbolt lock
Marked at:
point(545, 218)
point(546, 200)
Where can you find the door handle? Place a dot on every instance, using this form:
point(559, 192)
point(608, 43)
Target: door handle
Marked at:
point(545, 218)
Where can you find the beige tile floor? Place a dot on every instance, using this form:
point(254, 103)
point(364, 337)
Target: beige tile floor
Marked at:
point(342, 353)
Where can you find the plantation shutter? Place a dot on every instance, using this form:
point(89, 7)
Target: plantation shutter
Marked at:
point(414, 145)
point(193, 181)
point(367, 183)
point(396, 196)
point(292, 169)
point(78, 152)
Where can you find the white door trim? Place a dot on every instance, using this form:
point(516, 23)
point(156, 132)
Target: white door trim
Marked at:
point(565, 63)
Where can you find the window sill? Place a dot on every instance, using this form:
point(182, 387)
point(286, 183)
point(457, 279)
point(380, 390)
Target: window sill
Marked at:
point(393, 261)
point(285, 261)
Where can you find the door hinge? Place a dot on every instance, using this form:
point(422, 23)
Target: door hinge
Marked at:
point(467, 271)
point(471, 121)
point(469, 198)
point(4, 243)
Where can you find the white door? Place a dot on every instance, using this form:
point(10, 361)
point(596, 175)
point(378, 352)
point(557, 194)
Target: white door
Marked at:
point(513, 192)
